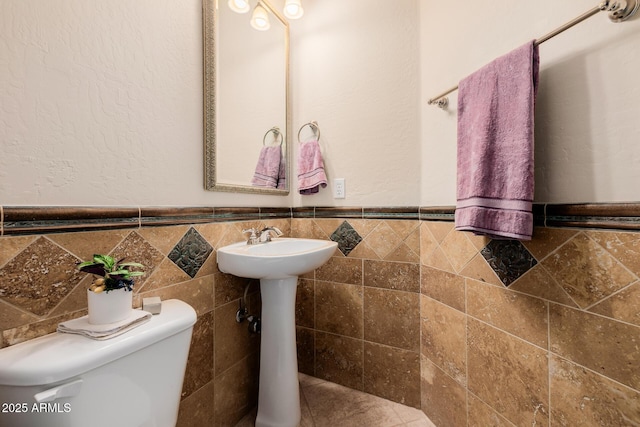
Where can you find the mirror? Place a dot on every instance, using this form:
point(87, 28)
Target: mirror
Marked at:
point(246, 96)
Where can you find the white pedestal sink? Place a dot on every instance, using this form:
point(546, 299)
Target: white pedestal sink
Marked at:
point(277, 264)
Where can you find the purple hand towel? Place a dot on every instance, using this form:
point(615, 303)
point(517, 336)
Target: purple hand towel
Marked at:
point(495, 146)
point(270, 168)
point(311, 175)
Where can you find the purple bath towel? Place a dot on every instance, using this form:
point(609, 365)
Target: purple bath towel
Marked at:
point(495, 146)
point(270, 170)
point(311, 174)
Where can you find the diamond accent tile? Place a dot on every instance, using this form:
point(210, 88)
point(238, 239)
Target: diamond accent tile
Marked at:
point(508, 258)
point(191, 252)
point(346, 237)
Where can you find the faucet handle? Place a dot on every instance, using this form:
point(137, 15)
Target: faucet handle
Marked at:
point(253, 237)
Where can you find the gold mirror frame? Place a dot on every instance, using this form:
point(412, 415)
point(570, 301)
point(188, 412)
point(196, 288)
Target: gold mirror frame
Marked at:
point(211, 182)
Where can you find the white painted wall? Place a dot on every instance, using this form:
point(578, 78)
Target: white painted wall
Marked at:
point(355, 70)
point(587, 127)
point(101, 102)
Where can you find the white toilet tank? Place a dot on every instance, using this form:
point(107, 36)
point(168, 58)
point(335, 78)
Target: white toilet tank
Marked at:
point(67, 380)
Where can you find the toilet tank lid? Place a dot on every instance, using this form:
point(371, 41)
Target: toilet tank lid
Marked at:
point(58, 356)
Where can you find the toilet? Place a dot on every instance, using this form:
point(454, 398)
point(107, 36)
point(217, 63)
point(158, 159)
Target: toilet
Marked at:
point(134, 379)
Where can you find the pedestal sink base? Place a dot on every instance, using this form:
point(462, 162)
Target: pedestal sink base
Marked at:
point(279, 393)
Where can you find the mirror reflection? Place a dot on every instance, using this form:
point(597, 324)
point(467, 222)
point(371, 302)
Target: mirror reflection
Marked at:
point(247, 129)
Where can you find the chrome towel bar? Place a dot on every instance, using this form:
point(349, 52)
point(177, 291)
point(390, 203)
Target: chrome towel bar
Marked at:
point(619, 10)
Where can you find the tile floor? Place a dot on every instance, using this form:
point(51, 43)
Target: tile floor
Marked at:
point(327, 404)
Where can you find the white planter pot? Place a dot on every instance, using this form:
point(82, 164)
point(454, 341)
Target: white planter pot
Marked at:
point(109, 307)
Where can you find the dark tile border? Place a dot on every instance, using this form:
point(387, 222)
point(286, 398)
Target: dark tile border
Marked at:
point(52, 219)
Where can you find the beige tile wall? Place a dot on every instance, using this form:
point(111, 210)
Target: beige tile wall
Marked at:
point(41, 288)
point(358, 316)
point(558, 347)
point(413, 314)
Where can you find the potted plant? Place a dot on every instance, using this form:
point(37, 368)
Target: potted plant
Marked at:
point(110, 296)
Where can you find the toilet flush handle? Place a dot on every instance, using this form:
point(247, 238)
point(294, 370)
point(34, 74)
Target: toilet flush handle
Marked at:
point(63, 390)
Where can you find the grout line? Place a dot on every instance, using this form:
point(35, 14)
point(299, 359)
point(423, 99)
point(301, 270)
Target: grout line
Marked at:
point(139, 217)
point(544, 214)
point(1, 221)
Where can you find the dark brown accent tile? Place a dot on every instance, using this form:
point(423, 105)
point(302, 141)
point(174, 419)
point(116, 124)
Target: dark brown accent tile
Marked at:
point(508, 374)
point(39, 277)
point(392, 318)
point(603, 345)
point(338, 212)
point(305, 345)
point(175, 215)
point(397, 212)
point(236, 214)
point(538, 282)
point(339, 359)
point(586, 271)
point(434, 213)
point(236, 391)
point(482, 415)
point(392, 275)
point(622, 305)
point(197, 410)
point(443, 400)
point(200, 362)
point(520, 315)
point(448, 288)
point(191, 252)
point(303, 212)
point(509, 259)
point(444, 338)
point(392, 373)
point(50, 219)
point(338, 309)
point(305, 306)
point(274, 213)
point(595, 209)
point(341, 270)
point(580, 397)
point(232, 339)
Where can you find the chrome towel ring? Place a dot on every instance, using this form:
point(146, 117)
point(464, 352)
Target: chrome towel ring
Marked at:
point(314, 127)
point(276, 133)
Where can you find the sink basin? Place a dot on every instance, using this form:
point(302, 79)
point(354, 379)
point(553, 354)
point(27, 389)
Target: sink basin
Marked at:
point(277, 264)
point(278, 259)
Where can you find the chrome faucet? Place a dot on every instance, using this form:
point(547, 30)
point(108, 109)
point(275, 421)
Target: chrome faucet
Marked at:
point(265, 234)
point(262, 236)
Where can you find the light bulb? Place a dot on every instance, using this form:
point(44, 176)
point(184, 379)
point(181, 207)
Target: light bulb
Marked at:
point(293, 9)
point(240, 6)
point(260, 19)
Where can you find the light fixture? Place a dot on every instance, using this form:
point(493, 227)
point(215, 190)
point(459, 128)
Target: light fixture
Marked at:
point(293, 9)
point(260, 18)
point(240, 6)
